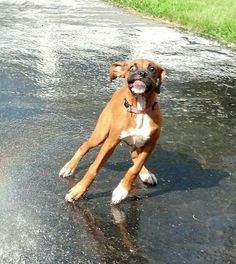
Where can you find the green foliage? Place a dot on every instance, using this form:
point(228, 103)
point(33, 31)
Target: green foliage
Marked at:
point(215, 18)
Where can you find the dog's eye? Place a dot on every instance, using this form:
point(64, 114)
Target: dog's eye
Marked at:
point(152, 69)
point(133, 68)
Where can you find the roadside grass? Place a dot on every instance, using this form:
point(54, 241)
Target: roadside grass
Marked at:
point(215, 18)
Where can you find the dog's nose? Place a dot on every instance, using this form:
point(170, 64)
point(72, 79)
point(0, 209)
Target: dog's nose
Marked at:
point(142, 73)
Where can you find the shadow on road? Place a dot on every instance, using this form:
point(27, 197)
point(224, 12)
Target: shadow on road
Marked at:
point(176, 172)
point(114, 232)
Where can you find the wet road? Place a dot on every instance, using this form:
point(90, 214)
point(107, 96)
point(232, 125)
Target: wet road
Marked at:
point(54, 59)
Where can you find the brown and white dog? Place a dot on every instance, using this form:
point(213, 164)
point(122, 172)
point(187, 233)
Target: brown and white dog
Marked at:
point(132, 115)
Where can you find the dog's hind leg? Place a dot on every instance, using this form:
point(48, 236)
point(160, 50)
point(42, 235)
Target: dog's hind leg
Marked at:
point(98, 136)
point(82, 186)
point(140, 156)
point(145, 175)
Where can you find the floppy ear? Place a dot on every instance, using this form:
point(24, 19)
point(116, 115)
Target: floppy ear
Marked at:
point(162, 74)
point(117, 69)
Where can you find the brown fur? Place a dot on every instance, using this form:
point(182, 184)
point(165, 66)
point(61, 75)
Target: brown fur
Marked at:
point(114, 119)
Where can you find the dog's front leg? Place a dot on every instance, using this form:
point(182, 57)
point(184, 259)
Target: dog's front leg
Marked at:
point(122, 190)
point(82, 186)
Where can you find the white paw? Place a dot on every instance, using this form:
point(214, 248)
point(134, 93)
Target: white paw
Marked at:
point(66, 172)
point(149, 178)
point(69, 198)
point(119, 194)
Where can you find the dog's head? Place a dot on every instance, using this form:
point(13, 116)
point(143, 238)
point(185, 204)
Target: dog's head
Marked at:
point(142, 76)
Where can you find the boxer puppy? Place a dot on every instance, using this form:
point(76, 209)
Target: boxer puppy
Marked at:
point(132, 115)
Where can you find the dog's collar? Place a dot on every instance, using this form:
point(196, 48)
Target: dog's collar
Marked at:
point(134, 110)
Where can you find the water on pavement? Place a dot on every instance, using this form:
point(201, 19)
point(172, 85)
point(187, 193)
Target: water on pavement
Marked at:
point(54, 60)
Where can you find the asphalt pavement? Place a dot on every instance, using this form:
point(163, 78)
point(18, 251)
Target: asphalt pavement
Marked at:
point(54, 61)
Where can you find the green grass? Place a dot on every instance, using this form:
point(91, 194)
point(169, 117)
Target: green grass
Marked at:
point(215, 18)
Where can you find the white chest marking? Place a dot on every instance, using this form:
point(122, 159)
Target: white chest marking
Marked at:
point(141, 133)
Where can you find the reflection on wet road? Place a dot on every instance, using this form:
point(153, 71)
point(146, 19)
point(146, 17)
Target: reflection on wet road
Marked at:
point(54, 59)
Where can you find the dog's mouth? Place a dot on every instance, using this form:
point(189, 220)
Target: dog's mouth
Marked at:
point(137, 86)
